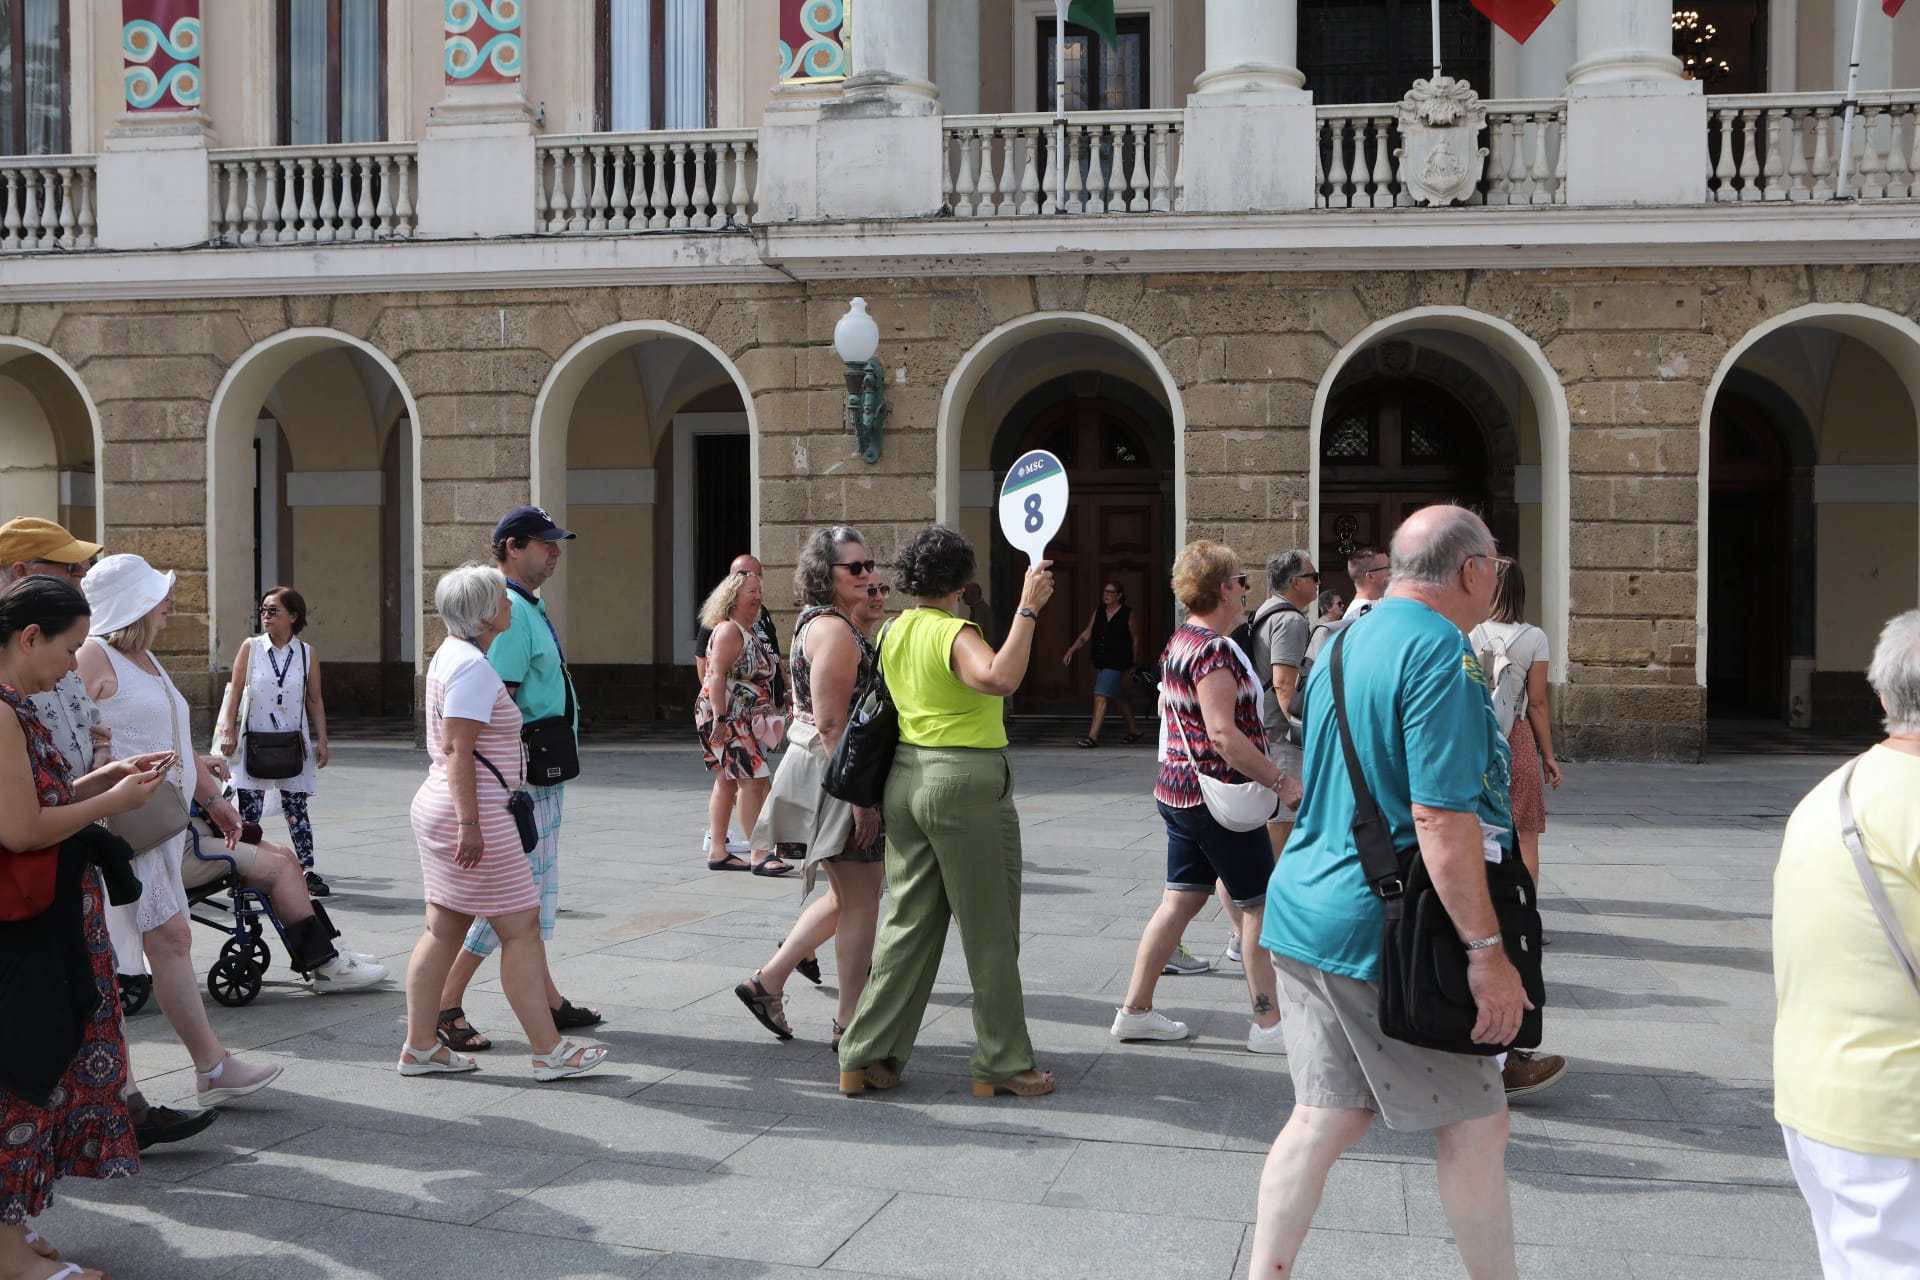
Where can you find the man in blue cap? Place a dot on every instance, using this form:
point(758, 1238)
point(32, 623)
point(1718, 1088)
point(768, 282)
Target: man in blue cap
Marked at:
point(528, 656)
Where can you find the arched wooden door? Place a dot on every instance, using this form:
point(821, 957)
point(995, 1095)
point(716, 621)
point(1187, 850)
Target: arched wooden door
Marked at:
point(1748, 520)
point(1118, 529)
point(1389, 448)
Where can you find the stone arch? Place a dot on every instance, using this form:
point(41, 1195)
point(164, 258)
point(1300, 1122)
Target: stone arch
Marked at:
point(13, 348)
point(235, 409)
point(553, 413)
point(1891, 336)
point(1543, 388)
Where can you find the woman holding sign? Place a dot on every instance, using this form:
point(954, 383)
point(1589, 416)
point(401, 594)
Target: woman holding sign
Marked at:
point(953, 836)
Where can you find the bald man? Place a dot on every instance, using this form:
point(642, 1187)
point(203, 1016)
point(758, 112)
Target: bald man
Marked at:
point(771, 634)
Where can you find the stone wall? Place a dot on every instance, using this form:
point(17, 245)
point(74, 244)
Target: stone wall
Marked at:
point(1634, 351)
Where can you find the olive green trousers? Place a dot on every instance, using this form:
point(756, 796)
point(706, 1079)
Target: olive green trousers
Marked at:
point(953, 853)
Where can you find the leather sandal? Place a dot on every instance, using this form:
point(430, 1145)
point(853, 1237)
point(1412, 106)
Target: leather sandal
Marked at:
point(875, 1075)
point(767, 1007)
point(568, 1058)
point(838, 1032)
point(426, 1062)
point(772, 865)
point(1030, 1083)
point(467, 1039)
point(570, 1015)
point(1087, 742)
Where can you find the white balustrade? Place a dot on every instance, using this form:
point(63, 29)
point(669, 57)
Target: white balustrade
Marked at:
point(46, 202)
point(700, 179)
point(313, 195)
point(1357, 165)
point(1116, 162)
point(1786, 146)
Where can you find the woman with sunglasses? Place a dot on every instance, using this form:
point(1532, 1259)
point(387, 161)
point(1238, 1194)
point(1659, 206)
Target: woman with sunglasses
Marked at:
point(1113, 634)
point(277, 679)
point(833, 669)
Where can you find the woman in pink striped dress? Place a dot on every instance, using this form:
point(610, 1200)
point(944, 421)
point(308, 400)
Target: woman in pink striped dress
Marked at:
point(470, 853)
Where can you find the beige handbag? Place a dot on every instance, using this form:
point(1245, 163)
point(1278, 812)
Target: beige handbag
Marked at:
point(165, 815)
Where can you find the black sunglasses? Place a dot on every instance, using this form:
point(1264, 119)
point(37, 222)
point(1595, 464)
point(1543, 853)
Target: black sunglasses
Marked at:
point(1314, 576)
point(68, 566)
point(854, 566)
point(882, 592)
point(1240, 578)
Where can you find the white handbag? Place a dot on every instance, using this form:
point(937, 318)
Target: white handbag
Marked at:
point(1237, 806)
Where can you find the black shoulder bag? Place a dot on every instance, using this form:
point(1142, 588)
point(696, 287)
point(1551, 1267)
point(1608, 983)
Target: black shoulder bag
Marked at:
point(273, 756)
point(519, 804)
point(857, 772)
point(553, 750)
point(1424, 996)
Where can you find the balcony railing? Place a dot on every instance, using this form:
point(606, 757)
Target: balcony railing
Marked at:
point(306, 195)
point(696, 179)
point(1358, 162)
point(47, 203)
point(1116, 162)
point(1786, 146)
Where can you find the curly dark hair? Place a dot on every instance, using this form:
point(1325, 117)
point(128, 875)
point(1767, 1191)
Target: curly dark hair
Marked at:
point(937, 561)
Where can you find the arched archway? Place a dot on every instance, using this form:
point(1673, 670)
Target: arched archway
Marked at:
point(1502, 381)
point(1099, 396)
point(645, 443)
point(1815, 417)
point(50, 440)
point(332, 483)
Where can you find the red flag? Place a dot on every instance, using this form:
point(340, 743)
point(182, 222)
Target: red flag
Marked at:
point(1519, 18)
point(1891, 7)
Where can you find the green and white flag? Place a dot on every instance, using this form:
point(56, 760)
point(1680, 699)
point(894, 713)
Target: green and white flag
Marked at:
point(1095, 15)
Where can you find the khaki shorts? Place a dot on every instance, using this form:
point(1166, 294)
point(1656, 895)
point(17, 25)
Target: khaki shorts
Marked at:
point(1339, 1058)
point(195, 872)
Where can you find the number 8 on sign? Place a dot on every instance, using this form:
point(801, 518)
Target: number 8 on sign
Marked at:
point(1033, 503)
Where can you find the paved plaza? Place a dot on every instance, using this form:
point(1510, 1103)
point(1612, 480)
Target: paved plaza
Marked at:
point(706, 1148)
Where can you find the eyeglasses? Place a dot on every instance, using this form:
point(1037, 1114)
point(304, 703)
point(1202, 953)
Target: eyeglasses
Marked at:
point(270, 610)
point(1373, 569)
point(1314, 576)
point(882, 592)
point(1240, 578)
point(854, 566)
point(1470, 559)
point(72, 567)
point(1109, 591)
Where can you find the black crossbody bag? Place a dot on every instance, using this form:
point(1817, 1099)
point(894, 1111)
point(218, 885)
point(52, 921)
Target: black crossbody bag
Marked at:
point(553, 751)
point(519, 804)
point(857, 772)
point(1424, 996)
point(272, 756)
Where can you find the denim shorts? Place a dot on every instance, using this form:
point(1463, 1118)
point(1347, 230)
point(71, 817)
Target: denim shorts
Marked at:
point(1200, 851)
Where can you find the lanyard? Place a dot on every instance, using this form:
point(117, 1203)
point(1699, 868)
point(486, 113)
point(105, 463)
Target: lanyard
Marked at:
point(280, 674)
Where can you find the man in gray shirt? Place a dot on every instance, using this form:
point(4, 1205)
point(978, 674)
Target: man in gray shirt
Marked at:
point(1281, 630)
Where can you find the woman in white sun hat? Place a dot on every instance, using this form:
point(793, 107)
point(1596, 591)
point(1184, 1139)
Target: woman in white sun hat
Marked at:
point(146, 713)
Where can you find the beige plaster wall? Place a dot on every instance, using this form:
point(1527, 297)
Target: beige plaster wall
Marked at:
point(1868, 567)
point(29, 460)
point(1868, 415)
point(610, 566)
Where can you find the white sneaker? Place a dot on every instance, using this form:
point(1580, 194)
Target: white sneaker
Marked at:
point(1266, 1039)
point(733, 846)
point(1233, 948)
point(348, 972)
point(1151, 1025)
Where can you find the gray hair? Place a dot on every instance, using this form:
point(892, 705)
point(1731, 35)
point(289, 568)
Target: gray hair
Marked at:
point(813, 575)
point(1435, 555)
point(468, 597)
point(1894, 672)
point(1283, 567)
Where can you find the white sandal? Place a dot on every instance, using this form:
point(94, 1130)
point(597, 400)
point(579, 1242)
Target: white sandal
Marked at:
point(554, 1064)
point(423, 1062)
point(73, 1270)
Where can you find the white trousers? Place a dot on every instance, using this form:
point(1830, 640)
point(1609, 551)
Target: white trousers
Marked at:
point(1866, 1209)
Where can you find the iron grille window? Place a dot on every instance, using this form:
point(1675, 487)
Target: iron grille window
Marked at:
point(1373, 50)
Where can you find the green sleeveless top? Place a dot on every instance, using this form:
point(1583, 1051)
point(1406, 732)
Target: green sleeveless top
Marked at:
point(936, 709)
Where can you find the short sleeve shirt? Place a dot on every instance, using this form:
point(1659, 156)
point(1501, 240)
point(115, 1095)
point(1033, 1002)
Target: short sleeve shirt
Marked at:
point(527, 654)
point(1192, 654)
point(1282, 638)
point(69, 715)
point(1425, 732)
point(472, 686)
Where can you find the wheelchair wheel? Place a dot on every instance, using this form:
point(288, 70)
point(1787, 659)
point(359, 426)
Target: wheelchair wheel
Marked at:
point(253, 953)
point(233, 981)
point(135, 990)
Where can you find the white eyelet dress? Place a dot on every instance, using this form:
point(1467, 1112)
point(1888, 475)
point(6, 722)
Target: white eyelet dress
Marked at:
point(145, 712)
point(274, 706)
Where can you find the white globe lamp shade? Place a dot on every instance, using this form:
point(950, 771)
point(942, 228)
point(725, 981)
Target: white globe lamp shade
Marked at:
point(856, 337)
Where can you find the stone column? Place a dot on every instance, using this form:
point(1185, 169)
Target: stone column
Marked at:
point(152, 189)
point(889, 51)
point(877, 147)
point(957, 55)
point(477, 162)
point(1250, 101)
point(1636, 127)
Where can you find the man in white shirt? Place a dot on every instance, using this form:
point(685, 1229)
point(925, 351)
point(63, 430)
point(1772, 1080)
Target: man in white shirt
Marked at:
point(1367, 566)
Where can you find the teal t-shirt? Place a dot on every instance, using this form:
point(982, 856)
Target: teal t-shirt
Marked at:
point(527, 654)
point(1425, 732)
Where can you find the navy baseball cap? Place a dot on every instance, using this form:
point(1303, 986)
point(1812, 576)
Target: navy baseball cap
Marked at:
point(528, 522)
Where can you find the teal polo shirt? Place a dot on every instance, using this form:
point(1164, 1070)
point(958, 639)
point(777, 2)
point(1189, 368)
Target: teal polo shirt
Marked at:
point(1425, 732)
point(527, 654)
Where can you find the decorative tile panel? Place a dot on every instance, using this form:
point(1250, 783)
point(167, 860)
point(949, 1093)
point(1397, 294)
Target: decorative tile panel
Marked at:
point(813, 41)
point(160, 47)
point(483, 43)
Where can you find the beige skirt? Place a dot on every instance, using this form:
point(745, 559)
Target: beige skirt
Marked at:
point(798, 810)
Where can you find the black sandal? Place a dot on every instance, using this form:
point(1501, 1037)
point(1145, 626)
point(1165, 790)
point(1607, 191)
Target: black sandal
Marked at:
point(732, 862)
point(570, 1015)
point(1087, 742)
point(1136, 735)
point(765, 1006)
point(772, 865)
point(838, 1032)
point(467, 1039)
point(809, 969)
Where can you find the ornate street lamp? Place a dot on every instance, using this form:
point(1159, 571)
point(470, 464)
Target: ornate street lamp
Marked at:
point(856, 337)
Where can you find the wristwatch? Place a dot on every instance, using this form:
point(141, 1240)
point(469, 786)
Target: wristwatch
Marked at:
point(1028, 613)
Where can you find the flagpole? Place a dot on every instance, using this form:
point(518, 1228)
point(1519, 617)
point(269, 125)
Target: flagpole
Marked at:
point(1853, 100)
point(1060, 104)
point(1436, 39)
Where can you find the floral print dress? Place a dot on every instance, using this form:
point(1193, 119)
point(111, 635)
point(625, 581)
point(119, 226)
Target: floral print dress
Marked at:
point(83, 1130)
point(727, 738)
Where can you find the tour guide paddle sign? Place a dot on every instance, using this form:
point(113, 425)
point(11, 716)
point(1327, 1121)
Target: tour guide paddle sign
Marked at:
point(1033, 503)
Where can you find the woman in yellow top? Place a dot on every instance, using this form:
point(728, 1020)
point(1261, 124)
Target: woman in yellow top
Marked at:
point(953, 836)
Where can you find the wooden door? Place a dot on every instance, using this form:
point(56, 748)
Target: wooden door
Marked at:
point(1748, 516)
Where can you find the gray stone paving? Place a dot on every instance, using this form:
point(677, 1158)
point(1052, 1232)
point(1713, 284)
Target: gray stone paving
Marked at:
point(707, 1149)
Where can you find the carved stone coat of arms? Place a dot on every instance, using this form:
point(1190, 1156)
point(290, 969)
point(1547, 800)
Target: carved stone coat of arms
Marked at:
point(1440, 155)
